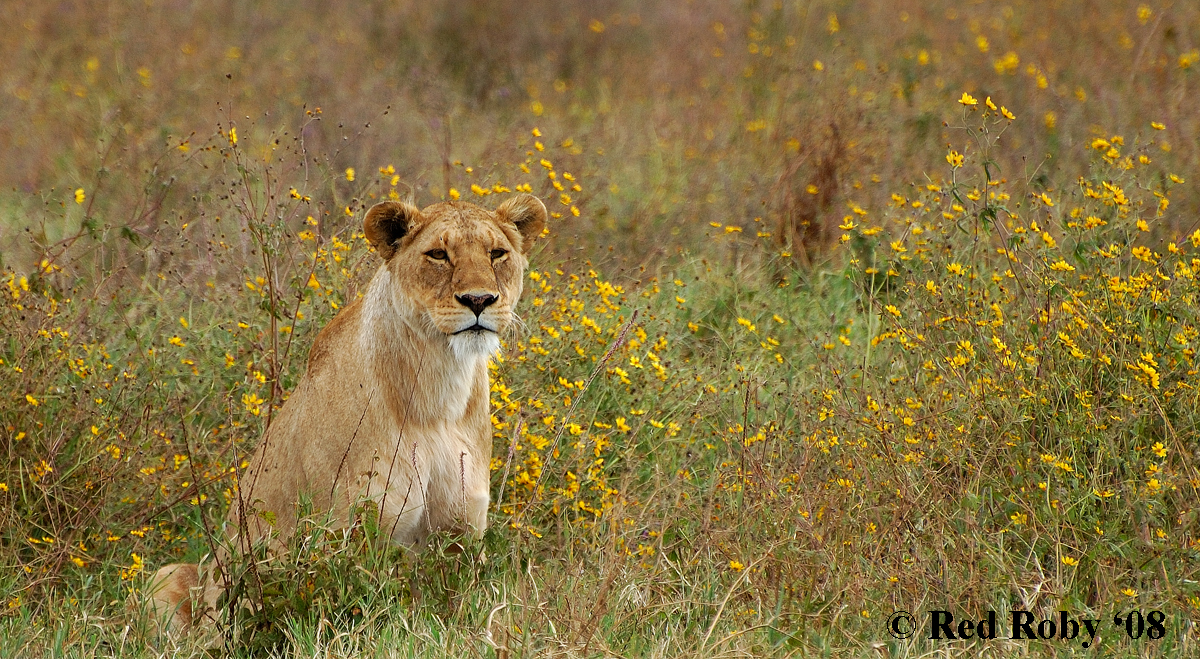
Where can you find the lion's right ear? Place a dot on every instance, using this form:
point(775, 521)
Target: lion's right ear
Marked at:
point(528, 214)
point(386, 223)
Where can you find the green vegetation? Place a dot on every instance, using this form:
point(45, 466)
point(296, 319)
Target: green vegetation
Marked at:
point(843, 309)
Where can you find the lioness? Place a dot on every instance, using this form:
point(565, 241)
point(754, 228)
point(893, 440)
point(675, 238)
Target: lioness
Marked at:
point(394, 405)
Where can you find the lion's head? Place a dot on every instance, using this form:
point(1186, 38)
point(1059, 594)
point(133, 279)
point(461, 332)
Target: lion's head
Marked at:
point(458, 267)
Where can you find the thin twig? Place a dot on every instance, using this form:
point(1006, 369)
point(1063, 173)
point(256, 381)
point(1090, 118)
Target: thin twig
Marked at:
point(342, 464)
point(487, 629)
point(721, 608)
point(617, 343)
point(512, 449)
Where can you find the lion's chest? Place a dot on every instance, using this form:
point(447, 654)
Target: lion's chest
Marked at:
point(424, 470)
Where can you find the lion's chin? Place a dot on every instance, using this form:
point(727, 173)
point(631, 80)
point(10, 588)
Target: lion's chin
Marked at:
point(473, 344)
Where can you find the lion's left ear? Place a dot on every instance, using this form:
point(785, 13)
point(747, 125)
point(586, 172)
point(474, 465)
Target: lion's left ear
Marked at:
point(386, 223)
point(528, 214)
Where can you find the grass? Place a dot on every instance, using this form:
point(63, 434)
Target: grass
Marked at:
point(817, 334)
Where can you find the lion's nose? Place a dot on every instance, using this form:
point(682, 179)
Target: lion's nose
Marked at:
point(476, 303)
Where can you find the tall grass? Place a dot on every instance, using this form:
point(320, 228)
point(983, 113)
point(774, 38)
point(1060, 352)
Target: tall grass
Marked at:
point(818, 333)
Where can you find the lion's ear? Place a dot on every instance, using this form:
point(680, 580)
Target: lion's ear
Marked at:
point(528, 214)
point(386, 223)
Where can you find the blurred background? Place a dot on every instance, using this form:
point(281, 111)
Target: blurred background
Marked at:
point(673, 114)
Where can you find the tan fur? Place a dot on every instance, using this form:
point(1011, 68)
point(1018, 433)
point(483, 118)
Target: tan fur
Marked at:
point(394, 405)
point(171, 605)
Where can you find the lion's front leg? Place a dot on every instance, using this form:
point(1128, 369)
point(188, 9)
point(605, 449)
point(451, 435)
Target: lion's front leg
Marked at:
point(403, 502)
point(459, 493)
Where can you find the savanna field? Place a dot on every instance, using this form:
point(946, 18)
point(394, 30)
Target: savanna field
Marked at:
point(843, 308)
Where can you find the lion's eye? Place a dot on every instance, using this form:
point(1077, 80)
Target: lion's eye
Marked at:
point(498, 253)
point(437, 254)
